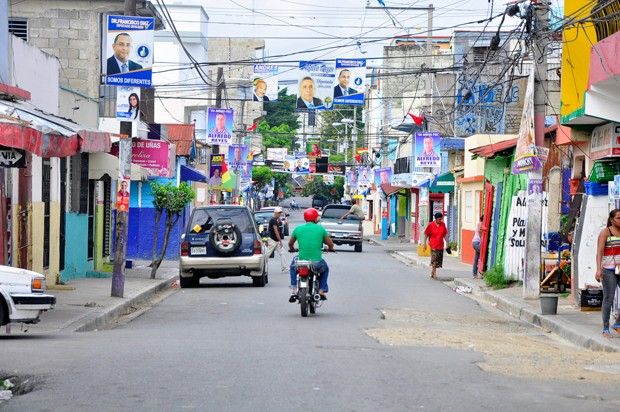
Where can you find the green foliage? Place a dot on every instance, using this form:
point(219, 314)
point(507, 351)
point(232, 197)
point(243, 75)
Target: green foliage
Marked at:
point(284, 183)
point(282, 112)
point(496, 278)
point(331, 135)
point(453, 245)
point(261, 175)
point(320, 188)
point(170, 198)
point(277, 136)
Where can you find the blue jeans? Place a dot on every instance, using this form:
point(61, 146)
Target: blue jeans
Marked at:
point(320, 266)
point(476, 246)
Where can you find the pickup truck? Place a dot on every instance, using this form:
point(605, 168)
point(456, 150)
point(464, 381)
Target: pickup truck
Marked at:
point(347, 231)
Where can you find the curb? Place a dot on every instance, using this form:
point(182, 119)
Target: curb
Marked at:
point(415, 262)
point(562, 328)
point(99, 320)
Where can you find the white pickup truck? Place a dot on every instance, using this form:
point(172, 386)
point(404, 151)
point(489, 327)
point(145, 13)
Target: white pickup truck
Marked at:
point(347, 231)
point(22, 296)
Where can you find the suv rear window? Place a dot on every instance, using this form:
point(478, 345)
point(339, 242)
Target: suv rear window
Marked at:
point(206, 218)
point(334, 212)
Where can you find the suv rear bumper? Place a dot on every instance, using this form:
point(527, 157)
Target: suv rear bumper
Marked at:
point(192, 263)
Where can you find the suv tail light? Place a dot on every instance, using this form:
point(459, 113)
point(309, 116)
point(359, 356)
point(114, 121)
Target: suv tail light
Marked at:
point(185, 248)
point(257, 247)
point(303, 271)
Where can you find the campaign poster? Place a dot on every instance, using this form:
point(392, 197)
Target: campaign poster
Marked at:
point(526, 157)
point(219, 126)
point(313, 148)
point(351, 178)
point(316, 85)
point(350, 81)
point(383, 176)
point(128, 104)
point(122, 195)
point(427, 149)
point(246, 172)
point(363, 176)
point(265, 83)
point(128, 51)
point(216, 171)
point(237, 156)
point(299, 164)
point(277, 153)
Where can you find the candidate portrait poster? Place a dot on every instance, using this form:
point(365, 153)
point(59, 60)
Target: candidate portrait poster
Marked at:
point(265, 83)
point(219, 126)
point(216, 170)
point(363, 176)
point(350, 81)
point(383, 176)
point(237, 156)
point(315, 86)
point(427, 149)
point(128, 104)
point(128, 51)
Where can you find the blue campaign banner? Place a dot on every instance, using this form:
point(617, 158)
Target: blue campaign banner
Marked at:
point(315, 90)
point(427, 149)
point(128, 51)
point(219, 126)
point(350, 81)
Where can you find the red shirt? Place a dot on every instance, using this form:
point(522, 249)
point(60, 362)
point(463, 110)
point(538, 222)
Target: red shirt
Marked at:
point(436, 233)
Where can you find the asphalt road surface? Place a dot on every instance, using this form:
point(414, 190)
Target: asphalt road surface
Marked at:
point(388, 339)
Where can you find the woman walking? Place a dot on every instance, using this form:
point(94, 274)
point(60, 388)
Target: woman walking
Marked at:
point(608, 267)
point(475, 242)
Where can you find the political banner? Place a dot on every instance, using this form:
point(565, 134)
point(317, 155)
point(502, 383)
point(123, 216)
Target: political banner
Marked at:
point(350, 81)
point(219, 126)
point(128, 51)
point(526, 159)
point(265, 83)
point(237, 156)
point(277, 153)
point(316, 85)
point(128, 104)
point(216, 170)
point(427, 149)
point(383, 176)
point(246, 172)
point(297, 164)
point(351, 178)
point(363, 176)
point(313, 149)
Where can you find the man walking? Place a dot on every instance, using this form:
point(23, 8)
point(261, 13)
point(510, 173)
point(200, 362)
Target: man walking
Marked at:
point(436, 233)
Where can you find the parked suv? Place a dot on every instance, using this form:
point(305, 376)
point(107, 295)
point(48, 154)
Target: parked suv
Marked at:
point(222, 241)
point(22, 296)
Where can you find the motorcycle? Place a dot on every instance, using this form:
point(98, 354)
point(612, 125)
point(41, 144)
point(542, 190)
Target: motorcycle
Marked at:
point(308, 295)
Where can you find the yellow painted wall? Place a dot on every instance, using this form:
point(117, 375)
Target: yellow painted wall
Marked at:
point(37, 236)
point(577, 41)
point(54, 268)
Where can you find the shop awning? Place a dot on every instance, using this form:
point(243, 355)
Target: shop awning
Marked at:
point(389, 189)
point(491, 150)
point(187, 173)
point(443, 184)
point(24, 126)
point(100, 164)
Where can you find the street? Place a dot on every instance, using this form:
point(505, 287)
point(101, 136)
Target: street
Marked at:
point(388, 338)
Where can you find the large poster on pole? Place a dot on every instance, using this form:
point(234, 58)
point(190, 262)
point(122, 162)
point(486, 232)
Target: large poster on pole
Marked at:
point(316, 82)
point(237, 156)
point(427, 149)
point(526, 155)
point(219, 126)
point(350, 84)
point(265, 83)
point(128, 51)
point(128, 104)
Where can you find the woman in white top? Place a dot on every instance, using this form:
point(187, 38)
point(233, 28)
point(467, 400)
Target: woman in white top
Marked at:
point(475, 242)
point(134, 106)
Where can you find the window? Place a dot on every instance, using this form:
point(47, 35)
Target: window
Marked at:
point(18, 27)
point(479, 53)
point(469, 206)
point(46, 198)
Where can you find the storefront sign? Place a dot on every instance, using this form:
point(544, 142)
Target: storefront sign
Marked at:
point(152, 155)
point(605, 141)
point(11, 157)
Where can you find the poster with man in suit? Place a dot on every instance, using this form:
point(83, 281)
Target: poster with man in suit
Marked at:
point(315, 91)
point(350, 85)
point(127, 55)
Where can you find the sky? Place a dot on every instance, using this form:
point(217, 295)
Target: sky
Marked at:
point(299, 26)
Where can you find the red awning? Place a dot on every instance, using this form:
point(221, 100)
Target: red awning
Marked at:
point(389, 189)
point(24, 126)
point(491, 150)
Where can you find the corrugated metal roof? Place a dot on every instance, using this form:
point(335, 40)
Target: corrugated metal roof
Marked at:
point(491, 149)
point(183, 136)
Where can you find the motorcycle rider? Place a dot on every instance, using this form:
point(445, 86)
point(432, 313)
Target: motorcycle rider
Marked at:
point(311, 237)
point(294, 205)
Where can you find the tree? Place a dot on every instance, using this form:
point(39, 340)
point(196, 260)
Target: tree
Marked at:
point(282, 111)
point(318, 187)
point(277, 136)
point(172, 200)
point(261, 175)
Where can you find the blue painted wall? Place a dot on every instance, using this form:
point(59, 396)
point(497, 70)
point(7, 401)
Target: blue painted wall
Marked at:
point(142, 231)
point(76, 247)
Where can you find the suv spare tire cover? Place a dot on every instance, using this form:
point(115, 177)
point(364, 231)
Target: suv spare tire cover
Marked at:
point(225, 237)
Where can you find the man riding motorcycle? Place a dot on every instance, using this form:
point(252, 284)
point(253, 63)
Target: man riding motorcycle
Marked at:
point(311, 237)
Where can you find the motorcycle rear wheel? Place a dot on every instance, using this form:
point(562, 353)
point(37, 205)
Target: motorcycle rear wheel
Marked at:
point(303, 301)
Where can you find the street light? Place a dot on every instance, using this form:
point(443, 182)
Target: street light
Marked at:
point(346, 123)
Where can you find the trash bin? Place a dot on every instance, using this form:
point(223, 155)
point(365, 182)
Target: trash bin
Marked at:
point(549, 304)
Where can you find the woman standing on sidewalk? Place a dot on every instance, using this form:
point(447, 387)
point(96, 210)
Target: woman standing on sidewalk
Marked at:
point(475, 242)
point(436, 234)
point(608, 267)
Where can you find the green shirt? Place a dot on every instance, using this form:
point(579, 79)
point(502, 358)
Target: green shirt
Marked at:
point(310, 238)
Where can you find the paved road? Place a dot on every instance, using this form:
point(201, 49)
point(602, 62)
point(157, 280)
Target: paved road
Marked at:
point(232, 347)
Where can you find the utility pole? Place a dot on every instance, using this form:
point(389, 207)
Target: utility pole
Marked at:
point(531, 281)
point(122, 216)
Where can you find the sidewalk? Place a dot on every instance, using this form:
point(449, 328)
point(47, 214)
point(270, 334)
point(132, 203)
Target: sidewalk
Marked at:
point(580, 328)
point(85, 304)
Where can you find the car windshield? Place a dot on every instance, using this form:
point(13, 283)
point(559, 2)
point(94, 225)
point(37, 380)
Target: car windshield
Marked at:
point(263, 217)
point(334, 212)
point(206, 218)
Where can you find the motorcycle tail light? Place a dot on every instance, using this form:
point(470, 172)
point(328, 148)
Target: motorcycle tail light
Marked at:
point(257, 247)
point(303, 271)
point(185, 248)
